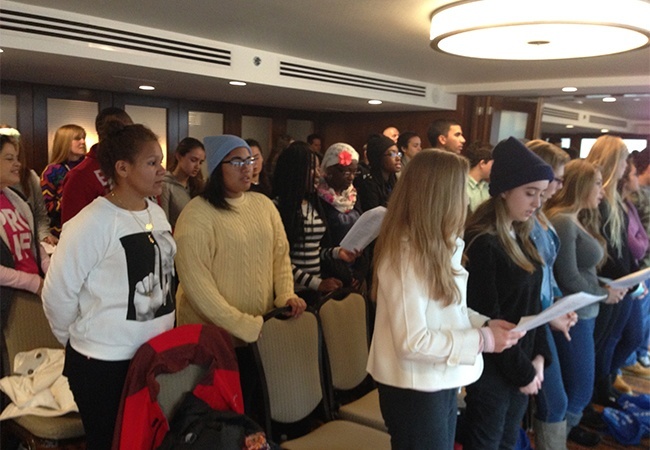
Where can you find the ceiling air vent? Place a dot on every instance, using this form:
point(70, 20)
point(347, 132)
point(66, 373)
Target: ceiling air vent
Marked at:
point(33, 24)
point(314, 73)
point(607, 121)
point(560, 113)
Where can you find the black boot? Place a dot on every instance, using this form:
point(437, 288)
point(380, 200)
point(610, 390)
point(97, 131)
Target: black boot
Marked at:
point(604, 392)
point(583, 437)
point(592, 419)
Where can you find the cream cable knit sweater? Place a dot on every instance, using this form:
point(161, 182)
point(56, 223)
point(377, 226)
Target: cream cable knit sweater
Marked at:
point(233, 266)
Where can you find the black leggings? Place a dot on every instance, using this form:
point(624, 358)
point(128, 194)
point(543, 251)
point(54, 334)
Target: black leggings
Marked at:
point(97, 389)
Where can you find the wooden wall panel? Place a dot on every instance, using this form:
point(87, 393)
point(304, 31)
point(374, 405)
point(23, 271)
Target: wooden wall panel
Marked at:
point(354, 128)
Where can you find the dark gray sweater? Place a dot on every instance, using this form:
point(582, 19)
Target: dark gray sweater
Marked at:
point(575, 266)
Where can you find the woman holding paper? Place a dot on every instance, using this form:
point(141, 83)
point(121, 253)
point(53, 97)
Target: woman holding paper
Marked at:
point(573, 213)
point(294, 191)
point(504, 282)
point(613, 337)
point(430, 343)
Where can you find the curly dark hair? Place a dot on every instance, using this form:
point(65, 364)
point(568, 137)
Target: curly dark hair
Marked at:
point(121, 142)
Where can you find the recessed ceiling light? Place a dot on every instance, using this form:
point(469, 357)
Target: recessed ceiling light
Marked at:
point(609, 99)
point(375, 102)
point(237, 83)
point(146, 87)
point(604, 130)
point(569, 126)
point(1, 50)
point(569, 89)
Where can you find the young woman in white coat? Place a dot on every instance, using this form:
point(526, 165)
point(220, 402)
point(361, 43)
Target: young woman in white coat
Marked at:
point(427, 343)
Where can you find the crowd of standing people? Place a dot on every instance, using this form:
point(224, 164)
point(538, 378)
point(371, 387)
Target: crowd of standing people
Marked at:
point(474, 238)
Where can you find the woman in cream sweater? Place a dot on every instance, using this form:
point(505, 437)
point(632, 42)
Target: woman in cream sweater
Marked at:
point(233, 256)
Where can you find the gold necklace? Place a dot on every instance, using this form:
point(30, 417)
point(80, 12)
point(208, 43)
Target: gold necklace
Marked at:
point(146, 227)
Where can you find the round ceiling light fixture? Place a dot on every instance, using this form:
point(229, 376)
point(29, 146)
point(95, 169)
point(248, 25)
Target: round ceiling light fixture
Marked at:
point(540, 30)
point(375, 102)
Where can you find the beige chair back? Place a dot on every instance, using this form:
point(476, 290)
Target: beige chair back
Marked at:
point(290, 353)
point(27, 327)
point(345, 332)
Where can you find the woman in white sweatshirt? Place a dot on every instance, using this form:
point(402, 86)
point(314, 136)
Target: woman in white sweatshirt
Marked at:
point(110, 284)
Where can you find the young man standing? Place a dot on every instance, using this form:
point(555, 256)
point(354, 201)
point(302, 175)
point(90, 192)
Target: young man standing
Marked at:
point(479, 155)
point(446, 134)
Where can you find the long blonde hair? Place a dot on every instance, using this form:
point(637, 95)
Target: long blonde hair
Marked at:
point(608, 153)
point(491, 217)
point(63, 140)
point(579, 178)
point(427, 209)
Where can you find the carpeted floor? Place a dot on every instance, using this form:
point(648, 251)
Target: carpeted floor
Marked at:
point(639, 385)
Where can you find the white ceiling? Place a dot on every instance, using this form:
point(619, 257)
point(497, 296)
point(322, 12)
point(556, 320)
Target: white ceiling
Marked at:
point(382, 36)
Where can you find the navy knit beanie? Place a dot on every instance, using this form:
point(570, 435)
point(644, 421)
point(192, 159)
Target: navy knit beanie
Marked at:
point(515, 165)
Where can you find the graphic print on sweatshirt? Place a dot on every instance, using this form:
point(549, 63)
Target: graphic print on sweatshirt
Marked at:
point(150, 271)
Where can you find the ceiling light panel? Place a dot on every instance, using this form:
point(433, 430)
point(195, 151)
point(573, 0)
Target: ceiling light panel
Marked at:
point(540, 30)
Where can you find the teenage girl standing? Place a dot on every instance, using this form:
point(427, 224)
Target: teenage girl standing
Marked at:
point(110, 292)
point(430, 343)
point(504, 282)
point(574, 214)
point(618, 332)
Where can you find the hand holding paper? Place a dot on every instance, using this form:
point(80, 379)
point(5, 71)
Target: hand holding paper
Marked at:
point(566, 304)
point(630, 280)
point(365, 230)
point(504, 336)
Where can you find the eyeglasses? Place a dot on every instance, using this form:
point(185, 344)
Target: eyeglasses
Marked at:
point(393, 154)
point(238, 163)
point(346, 171)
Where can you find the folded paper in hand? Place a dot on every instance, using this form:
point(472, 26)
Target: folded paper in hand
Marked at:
point(365, 230)
point(630, 280)
point(563, 306)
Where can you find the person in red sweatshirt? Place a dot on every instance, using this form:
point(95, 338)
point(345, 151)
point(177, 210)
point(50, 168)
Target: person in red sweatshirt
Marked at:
point(86, 181)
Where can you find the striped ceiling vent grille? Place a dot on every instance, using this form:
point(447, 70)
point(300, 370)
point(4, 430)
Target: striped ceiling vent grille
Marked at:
point(560, 113)
point(314, 73)
point(92, 34)
point(607, 121)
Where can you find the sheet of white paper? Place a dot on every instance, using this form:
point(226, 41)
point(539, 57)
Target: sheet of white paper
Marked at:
point(365, 230)
point(565, 305)
point(630, 280)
